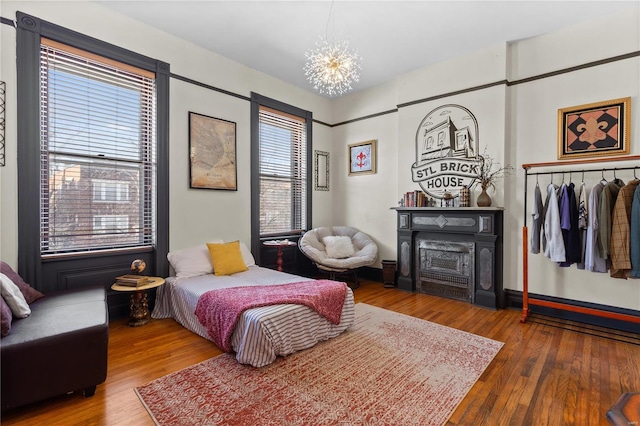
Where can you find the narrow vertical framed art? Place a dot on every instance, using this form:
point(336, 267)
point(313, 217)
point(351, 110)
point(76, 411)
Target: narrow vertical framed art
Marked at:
point(321, 170)
point(212, 153)
point(362, 158)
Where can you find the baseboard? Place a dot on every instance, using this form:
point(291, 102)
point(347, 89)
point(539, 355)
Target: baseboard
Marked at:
point(514, 300)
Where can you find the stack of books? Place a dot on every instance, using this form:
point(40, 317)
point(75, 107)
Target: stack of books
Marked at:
point(132, 280)
point(415, 199)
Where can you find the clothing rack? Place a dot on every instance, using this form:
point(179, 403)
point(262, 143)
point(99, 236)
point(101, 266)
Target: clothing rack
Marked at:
point(531, 300)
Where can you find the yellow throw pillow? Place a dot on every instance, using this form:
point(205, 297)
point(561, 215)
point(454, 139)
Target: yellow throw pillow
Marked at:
point(226, 258)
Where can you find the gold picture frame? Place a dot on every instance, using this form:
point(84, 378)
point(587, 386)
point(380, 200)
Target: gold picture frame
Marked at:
point(362, 158)
point(212, 153)
point(593, 130)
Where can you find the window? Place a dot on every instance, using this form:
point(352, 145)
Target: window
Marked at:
point(97, 131)
point(88, 111)
point(283, 173)
point(281, 167)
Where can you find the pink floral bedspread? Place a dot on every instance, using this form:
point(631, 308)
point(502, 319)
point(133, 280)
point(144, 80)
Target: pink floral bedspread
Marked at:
point(219, 310)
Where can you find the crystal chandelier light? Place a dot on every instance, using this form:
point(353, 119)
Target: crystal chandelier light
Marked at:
point(332, 67)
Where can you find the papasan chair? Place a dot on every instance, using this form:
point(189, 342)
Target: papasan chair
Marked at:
point(339, 250)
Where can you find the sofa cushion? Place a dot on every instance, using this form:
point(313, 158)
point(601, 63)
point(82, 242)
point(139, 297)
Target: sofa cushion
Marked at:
point(338, 247)
point(14, 298)
point(30, 294)
point(5, 318)
point(62, 312)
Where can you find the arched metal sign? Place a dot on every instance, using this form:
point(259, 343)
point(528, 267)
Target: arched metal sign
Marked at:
point(446, 151)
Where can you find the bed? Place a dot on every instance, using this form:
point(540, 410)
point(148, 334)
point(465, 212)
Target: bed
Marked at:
point(261, 334)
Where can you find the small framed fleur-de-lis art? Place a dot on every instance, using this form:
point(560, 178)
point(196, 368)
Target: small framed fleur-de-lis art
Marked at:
point(593, 130)
point(362, 158)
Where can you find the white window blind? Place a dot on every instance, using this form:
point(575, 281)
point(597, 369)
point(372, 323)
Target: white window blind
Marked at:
point(98, 155)
point(283, 172)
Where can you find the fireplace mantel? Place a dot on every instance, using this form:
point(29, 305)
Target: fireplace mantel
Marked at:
point(481, 226)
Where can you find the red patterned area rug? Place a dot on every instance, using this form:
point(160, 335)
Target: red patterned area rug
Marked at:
point(387, 369)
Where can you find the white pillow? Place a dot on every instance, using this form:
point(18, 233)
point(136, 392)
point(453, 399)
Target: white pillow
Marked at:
point(338, 247)
point(192, 261)
point(246, 255)
point(14, 298)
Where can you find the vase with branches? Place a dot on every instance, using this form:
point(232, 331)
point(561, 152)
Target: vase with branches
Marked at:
point(489, 172)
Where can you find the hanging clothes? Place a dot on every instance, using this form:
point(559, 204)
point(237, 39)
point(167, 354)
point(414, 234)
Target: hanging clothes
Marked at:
point(592, 259)
point(543, 236)
point(536, 219)
point(583, 217)
point(554, 249)
point(607, 202)
point(621, 231)
point(569, 225)
point(635, 235)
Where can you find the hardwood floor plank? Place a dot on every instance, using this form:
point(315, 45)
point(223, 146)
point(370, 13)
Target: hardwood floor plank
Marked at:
point(570, 414)
point(543, 375)
point(582, 397)
point(561, 395)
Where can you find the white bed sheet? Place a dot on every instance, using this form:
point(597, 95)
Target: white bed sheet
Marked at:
point(261, 333)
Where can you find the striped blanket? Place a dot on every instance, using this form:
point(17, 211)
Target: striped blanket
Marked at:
point(219, 310)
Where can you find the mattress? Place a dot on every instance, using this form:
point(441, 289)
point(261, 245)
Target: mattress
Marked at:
point(262, 333)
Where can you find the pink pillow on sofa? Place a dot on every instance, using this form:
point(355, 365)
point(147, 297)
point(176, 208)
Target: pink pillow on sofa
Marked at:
point(5, 317)
point(30, 294)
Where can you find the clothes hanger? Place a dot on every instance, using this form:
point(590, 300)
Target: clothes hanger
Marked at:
point(617, 180)
point(603, 181)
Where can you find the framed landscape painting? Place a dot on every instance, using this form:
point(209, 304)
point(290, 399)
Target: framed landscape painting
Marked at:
point(593, 130)
point(212, 153)
point(362, 158)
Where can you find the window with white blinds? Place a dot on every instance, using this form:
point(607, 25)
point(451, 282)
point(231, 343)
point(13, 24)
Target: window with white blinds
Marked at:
point(97, 152)
point(283, 172)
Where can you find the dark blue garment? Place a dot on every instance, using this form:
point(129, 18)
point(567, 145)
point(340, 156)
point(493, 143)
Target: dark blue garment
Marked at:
point(635, 234)
point(569, 216)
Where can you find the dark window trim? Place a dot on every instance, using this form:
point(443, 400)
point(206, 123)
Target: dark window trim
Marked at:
point(29, 31)
point(257, 101)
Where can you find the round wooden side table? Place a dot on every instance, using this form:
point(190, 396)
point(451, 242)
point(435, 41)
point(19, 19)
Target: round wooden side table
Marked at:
point(139, 308)
point(279, 245)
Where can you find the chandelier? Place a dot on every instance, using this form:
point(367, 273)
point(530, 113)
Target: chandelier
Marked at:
point(332, 67)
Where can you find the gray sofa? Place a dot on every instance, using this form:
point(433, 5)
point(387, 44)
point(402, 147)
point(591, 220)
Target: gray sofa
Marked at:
point(61, 347)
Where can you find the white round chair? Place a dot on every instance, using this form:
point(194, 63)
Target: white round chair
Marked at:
point(339, 250)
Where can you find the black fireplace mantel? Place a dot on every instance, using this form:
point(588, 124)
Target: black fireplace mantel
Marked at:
point(482, 226)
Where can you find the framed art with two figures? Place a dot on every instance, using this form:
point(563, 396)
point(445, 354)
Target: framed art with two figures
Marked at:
point(592, 130)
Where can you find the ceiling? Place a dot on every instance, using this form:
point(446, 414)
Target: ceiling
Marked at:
point(393, 37)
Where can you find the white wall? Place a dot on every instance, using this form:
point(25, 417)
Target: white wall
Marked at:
point(533, 127)
point(195, 214)
point(364, 201)
point(517, 124)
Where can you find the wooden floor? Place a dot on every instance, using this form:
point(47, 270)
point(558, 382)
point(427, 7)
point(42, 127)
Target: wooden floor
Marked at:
point(544, 374)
